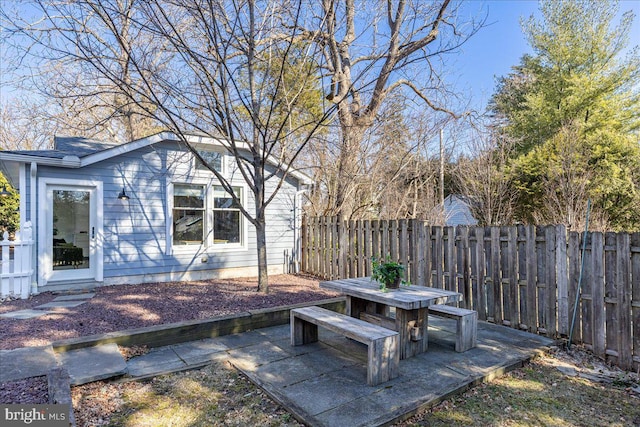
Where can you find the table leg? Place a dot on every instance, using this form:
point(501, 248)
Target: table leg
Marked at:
point(412, 327)
point(355, 306)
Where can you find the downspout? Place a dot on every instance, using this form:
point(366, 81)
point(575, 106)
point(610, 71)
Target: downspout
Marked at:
point(32, 218)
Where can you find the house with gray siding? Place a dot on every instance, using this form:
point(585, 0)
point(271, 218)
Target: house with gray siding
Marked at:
point(145, 211)
point(457, 211)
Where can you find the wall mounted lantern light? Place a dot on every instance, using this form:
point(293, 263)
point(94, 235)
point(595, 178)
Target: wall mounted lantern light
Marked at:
point(4, 192)
point(123, 195)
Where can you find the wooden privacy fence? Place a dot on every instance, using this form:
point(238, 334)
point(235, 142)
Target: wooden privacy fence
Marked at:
point(525, 277)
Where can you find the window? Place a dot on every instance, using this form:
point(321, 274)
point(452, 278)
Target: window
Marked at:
point(213, 158)
point(188, 214)
point(206, 216)
point(226, 216)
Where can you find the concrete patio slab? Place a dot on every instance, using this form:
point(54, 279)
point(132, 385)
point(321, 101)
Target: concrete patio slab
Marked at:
point(200, 352)
point(326, 385)
point(93, 363)
point(159, 360)
point(75, 297)
point(60, 304)
point(26, 362)
point(24, 314)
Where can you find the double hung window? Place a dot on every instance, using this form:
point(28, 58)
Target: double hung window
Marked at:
point(188, 214)
point(207, 215)
point(227, 227)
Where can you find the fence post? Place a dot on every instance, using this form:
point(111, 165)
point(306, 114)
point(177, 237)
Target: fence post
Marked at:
point(5, 289)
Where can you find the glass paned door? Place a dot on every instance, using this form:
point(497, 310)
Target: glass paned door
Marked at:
point(71, 245)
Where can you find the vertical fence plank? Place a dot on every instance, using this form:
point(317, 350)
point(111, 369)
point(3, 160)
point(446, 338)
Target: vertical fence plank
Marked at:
point(393, 241)
point(403, 247)
point(611, 302)
point(562, 280)
point(635, 296)
point(375, 239)
point(361, 251)
point(597, 285)
point(541, 278)
point(367, 247)
point(532, 292)
point(419, 244)
point(586, 297)
point(438, 257)
point(462, 249)
point(623, 259)
point(304, 244)
point(522, 275)
point(343, 249)
point(574, 255)
point(450, 259)
point(496, 279)
point(352, 249)
point(514, 287)
point(426, 238)
point(480, 294)
point(328, 248)
point(550, 279)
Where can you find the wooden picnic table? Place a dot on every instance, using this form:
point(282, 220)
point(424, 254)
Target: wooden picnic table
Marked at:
point(366, 301)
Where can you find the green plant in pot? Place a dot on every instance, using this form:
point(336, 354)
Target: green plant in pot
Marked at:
point(388, 273)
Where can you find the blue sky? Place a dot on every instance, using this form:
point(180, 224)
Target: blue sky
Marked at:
point(499, 45)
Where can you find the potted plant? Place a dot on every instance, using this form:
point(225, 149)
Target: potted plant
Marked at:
point(388, 273)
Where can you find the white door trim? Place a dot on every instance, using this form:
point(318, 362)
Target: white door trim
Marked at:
point(44, 239)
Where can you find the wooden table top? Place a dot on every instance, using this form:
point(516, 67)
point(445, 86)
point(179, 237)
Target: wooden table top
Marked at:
point(405, 297)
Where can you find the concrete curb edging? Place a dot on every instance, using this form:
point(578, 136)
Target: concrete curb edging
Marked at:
point(192, 330)
point(60, 390)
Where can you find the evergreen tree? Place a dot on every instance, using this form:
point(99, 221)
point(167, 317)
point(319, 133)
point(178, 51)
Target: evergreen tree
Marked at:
point(577, 89)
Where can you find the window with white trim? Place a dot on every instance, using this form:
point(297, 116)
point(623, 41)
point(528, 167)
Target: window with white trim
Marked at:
point(188, 214)
point(227, 218)
point(207, 216)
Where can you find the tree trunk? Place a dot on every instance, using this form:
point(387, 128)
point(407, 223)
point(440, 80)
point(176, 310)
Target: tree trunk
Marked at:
point(261, 239)
point(349, 174)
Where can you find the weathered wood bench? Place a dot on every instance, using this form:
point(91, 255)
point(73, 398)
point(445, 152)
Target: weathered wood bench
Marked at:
point(383, 351)
point(466, 324)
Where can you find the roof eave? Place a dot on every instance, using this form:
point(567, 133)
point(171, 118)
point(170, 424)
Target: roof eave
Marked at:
point(66, 161)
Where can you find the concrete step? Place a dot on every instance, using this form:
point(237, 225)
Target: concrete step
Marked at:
point(90, 364)
point(26, 362)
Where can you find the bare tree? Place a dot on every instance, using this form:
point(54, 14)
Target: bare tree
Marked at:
point(370, 53)
point(222, 71)
point(80, 99)
point(483, 179)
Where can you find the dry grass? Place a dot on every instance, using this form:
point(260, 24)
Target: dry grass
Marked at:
point(540, 394)
point(216, 395)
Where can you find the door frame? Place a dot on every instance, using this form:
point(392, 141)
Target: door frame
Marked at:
point(45, 231)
